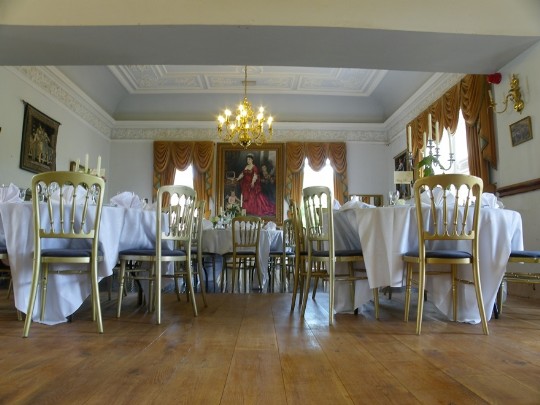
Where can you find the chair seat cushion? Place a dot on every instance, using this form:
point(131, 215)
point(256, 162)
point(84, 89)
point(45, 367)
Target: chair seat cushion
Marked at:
point(525, 253)
point(442, 254)
point(66, 252)
point(151, 252)
point(339, 253)
point(242, 253)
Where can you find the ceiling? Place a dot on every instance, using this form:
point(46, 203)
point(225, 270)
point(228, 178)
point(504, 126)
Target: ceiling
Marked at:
point(290, 94)
point(306, 74)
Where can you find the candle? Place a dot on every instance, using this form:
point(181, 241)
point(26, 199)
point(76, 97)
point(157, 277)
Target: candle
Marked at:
point(221, 211)
point(450, 144)
point(425, 143)
point(409, 138)
point(77, 163)
point(98, 169)
point(437, 136)
point(430, 137)
point(86, 162)
point(241, 200)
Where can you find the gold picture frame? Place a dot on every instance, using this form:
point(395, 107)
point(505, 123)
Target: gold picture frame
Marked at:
point(38, 145)
point(521, 131)
point(265, 197)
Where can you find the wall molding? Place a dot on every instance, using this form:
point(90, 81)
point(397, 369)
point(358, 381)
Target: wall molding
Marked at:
point(519, 188)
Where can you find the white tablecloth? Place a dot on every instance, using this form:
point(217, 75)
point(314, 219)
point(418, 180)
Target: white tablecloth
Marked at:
point(120, 228)
point(386, 233)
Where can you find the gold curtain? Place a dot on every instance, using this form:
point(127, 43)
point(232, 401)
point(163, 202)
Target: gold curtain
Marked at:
point(471, 96)
point(316, 153)
point(172, 156)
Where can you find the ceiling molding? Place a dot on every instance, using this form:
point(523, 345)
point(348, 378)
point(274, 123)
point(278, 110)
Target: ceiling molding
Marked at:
point(55, 84)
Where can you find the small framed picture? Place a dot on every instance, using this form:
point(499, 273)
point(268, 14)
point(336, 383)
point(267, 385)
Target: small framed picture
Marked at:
point(521, 131)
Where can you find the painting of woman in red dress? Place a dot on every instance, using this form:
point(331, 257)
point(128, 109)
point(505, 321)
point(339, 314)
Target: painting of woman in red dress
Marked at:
point(253, 199)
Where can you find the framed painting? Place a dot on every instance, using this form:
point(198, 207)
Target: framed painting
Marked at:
point(403, 175)
point(38, 146)
point(251, 179)
point(521, 131)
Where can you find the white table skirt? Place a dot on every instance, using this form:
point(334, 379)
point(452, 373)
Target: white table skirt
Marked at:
point(386, 233)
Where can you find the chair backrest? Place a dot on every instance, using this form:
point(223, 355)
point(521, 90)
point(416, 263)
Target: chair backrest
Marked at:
point(319, 218)
point(73, 203)
point(289, 235)
point(454, 208)
point(179, 209)
point(246, 231)
point(197, 226)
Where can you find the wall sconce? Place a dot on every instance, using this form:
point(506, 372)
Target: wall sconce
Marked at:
point(514, 94)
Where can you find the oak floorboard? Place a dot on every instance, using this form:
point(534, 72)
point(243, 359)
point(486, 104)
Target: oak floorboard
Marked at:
point(250, 348)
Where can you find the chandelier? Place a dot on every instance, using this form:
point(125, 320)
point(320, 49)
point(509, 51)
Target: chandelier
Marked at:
point(246, 127)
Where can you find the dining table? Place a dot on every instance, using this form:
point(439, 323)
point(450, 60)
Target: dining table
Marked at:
point(219, 241)
point(121, 228)
point(385, 233)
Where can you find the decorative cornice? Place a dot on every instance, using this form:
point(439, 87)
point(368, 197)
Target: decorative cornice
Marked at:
point(53, 83)
point(280, 135)
point(422, 99)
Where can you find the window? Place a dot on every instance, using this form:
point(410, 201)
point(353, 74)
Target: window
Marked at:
point(324, 177)
point(183, 178)
point(459, 146)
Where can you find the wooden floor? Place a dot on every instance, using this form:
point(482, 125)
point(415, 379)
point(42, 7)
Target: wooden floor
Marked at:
point(250, 349)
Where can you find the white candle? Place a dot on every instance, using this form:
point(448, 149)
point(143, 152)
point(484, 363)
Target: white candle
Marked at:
point(425, 143)
point(409, 139)
point(86, 163)
point(430, 136)
point(450, 143)
point(437, 136)
point(77, 164)
point(98, 169)
point(241, 200)
point(221, 211)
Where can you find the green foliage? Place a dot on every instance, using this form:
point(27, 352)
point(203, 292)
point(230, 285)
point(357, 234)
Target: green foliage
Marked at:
point(426, 164)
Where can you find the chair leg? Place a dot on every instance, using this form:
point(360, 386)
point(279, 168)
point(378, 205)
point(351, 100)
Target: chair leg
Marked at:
point(376, 302)
point(307, 280)
point(189, 277)
point(96, 304)
point(499, 301)
point(454, 291)
point(479, 298)
point(32, 300)
point(122, 276)
point(408, 288)
point(296, 281)
point(420, 308)
point(203, 279)
point(44, 280)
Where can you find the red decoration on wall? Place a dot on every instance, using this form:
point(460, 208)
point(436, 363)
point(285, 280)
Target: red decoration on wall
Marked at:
point(494, 78)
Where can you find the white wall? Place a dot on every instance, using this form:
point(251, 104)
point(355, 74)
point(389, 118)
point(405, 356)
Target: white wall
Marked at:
point(75, 136)
point(132, 167)
point(368, 166)
point(522, 162)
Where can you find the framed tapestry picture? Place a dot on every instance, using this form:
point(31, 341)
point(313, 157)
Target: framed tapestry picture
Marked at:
point(38, 146)
point(403, 175)
point(251, 179)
